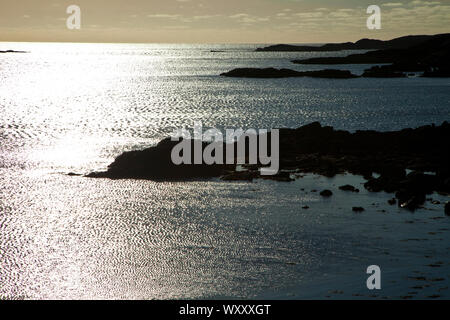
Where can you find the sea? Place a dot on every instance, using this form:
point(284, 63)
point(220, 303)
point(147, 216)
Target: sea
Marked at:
point(72, 108)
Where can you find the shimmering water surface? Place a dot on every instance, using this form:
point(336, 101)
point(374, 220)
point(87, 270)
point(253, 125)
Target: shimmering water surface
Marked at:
point(74, 107)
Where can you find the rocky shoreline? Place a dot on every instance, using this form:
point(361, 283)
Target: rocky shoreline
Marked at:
point(12, 51)
point(363, 44)
point(430, 57)
point(287, 73)
point(313, 148)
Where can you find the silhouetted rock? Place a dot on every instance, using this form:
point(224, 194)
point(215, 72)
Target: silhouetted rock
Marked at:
point(413, 189)
point(73, 174)
point(432, 57)
point(358, 209)
point(441, 71)
point(447, 208)
point(363, 44)
point(412, 202)
point(322, 150)
point(382, 72)
point(12, 51)
point(155, 163)
point(326, 193)
point(287, 73)
point(410, 57)
point(348, 187)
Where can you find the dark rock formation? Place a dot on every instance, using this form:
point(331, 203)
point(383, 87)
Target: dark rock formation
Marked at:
point(12, 51)
point(325, 151)
point(432, 57)
point(358, 209)
point(371, 57)
point(442, 71)
point(155, 163)
point(348, 187)
point(326, 193)
point(429, 55)
point(73, 174)
point(447, 208)
point(363, 44)
point(436, 47)
point(287, 73)
point(382, 72)
point(412, 190)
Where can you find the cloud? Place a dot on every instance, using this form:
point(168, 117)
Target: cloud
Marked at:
point(392, 4)
point(207, 16)
point(164, 16)
point(425, 3)
point(248, 19)
point(239, 16)
point(307, 15)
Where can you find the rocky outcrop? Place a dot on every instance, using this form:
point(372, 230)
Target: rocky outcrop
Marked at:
point(12, 51)
point(155, 163)
point(348, 187)
point(326, 193)
point(322, 150)
point(426, 53)
point(443, 71)
point(431, 57)
point(287, 73)
point(382, 72)
point(363, 44)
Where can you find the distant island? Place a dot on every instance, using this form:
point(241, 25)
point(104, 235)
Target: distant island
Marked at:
point(427, 55)
point(272, 73)
point(363, 44)
point(431, 57)
point(287, 73)
point(12, 51)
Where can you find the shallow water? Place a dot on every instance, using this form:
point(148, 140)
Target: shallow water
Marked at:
point(74, 107)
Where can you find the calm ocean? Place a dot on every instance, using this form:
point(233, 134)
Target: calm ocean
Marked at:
point(74, 107)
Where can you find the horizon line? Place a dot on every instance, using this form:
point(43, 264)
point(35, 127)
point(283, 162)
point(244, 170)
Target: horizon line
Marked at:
point(215, 43)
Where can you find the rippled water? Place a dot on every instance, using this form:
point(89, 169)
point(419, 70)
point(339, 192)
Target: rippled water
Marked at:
point(74, 107)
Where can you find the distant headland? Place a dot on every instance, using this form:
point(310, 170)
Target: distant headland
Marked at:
point(12, 51)
point(363, 44)
point(427, 55)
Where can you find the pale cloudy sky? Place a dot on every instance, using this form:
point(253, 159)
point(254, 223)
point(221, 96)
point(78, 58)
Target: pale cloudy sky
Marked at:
point(219, 21)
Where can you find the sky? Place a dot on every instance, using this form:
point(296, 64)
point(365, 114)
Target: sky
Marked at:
point(219, 21)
